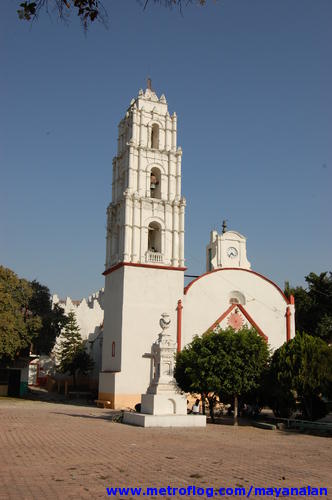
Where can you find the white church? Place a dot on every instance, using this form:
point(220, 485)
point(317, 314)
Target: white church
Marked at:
point(145, 263)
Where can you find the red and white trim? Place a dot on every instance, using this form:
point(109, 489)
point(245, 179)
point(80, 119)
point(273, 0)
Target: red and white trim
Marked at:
point(135, 264)
point(247, 316)
point(187, 288)
point(179, 325)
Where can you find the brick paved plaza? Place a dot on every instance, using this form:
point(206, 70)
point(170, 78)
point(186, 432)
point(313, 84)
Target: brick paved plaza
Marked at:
point(51, 450)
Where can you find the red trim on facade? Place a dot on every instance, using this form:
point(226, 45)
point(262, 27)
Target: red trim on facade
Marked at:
point(135, 264)
point(288, 324)
point(292, 300)
point(223, 316)
point(179, 325)
point(252, 322)
point(187, 288)
point(245, 313)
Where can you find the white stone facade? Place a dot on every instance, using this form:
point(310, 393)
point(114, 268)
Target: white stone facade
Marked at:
point(145, 245)
point(89, 312)
point(145, 220)
point(237, 297)
point(226, 250)
point(89, 315)
point(144, 273)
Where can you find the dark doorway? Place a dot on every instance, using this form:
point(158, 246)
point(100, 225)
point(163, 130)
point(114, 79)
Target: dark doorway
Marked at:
point(14, 379)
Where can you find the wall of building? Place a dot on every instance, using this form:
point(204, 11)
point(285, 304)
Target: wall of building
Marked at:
point(89, 312)
point(207, 298)
point(147, 293)
point(90, 316)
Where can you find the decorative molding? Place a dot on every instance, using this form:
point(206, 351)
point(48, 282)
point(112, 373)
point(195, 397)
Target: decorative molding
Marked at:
point(136, 264)
point(187, 288)
point(245, 313)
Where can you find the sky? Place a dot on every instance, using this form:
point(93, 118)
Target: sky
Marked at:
point(250, 81)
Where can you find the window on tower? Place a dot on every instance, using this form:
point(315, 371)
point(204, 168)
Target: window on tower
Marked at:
point(155, 136)
point(154, 237)
point(155, 187)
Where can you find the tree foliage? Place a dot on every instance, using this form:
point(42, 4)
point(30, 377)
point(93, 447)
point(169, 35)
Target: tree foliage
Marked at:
point(52, 319)
point(26, 317)
point(302, 368)
point(313, 306)
point(18, 324)
point(87, 10)
point(72, 355)
point(222, 363)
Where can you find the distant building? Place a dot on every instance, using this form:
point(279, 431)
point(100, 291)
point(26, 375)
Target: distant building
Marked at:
point(89, 315)
point(14, 378)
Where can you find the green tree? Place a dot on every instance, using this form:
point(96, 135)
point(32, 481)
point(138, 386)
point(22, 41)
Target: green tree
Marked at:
point(197, 371)
point(247, 358)
point(224, 363)
point(313, 306)
point(73, 357)
point(53, 319)
point(19, 326)
point(303, 366)
point(87, 10)
point(277, 390)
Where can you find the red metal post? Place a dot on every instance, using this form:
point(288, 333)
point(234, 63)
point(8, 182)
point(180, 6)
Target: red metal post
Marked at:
point(288, 324)
point(179, 324)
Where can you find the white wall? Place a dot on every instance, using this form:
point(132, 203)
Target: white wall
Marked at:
point(208, 298)
point(147, 293)
point(89, 312)
point(90, 316)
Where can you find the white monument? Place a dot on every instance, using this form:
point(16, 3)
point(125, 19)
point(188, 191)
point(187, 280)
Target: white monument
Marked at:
point(163, 405)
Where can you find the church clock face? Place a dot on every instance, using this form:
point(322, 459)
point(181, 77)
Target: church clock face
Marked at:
point(232, 252)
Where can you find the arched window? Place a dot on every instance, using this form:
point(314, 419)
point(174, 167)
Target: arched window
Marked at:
point(154, 237)
point(155, 183)
point(236, 297)
point(155, 136)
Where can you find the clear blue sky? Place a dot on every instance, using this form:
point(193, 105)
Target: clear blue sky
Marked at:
point(250, 81)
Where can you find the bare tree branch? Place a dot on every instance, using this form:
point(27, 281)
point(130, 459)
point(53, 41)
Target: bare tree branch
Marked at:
point(87, 10)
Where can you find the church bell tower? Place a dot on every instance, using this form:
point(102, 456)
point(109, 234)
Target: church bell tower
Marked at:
point(144, 268)
point(145, 220)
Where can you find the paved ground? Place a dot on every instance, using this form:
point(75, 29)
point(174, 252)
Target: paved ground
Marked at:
point(52, 450)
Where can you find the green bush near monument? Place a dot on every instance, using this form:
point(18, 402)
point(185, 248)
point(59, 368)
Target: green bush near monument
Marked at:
point(222, 363)
point(229, 365)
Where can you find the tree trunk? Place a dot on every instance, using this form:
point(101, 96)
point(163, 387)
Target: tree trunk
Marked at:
point(308, 411)
point(211, 408)
point(203, 404)
point(236, 410)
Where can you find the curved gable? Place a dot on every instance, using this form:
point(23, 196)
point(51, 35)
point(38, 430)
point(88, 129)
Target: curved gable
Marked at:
point(188, 287)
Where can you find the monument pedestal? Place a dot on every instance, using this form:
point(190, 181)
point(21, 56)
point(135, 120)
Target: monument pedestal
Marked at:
point(164, 404)
point(145, 420)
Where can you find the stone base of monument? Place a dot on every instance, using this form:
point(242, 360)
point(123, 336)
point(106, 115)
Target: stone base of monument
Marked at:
point(146, 420)
point(166, 403)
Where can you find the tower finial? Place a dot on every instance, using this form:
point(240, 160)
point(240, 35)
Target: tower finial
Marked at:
point(224, 226)
point(149, 83)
